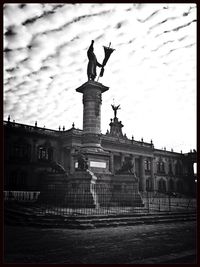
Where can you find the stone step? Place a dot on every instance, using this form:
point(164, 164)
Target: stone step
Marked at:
point(48, 221)
point(33, 212)
point(91, 225)
point(126, 219)
point(26, 215)
point(139, 222)
point(136, 221)
point(132, 215)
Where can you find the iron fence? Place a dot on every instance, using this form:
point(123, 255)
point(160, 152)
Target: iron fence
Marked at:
point(156, 201)
point(97, 200)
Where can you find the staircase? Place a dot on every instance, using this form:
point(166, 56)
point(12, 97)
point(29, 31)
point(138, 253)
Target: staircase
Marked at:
point(132, 219)
point(26, 216)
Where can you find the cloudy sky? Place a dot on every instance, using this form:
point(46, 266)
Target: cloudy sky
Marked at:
point(151, 74)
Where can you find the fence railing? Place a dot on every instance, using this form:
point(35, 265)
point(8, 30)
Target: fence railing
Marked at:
point(25, 196)
point(101, 200)
point(156, 201)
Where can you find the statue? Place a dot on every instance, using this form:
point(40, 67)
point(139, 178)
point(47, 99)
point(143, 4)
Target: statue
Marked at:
point(91, 69)
point(115, 108)
point(127, 167)
point(82, 162)
point(93, 63)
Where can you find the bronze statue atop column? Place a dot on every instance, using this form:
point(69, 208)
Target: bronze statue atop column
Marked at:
point(92, 64)
point(115, 108)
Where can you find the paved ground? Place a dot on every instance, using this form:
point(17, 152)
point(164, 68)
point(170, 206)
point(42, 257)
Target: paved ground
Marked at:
point(166, 243)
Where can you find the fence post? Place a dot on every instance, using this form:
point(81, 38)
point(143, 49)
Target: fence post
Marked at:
point(169, 202)
point(188, 203)
point(148, 201)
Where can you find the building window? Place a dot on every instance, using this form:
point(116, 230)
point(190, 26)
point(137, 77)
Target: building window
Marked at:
point(147, 166)
point(161, 186)
point(170, 168)
point(20, 152)
point(42, 153)
point(45, 153)
point(178, 169)
point(148, 185)
point(160, 167)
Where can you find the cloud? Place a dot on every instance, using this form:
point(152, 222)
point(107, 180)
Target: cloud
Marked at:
point(152, 68)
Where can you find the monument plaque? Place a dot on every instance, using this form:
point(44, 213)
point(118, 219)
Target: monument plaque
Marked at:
point(97, 164)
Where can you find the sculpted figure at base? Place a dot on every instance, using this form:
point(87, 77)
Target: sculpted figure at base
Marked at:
point(127, 167)
point(82, 162)
point(92, 64)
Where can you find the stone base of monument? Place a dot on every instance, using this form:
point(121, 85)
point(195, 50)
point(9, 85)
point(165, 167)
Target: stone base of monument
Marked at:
point(120, 190)
point(53, 188)
point(81, 191)
point(98, 161)
point(84, 189)
point(103, 189)
point(125, 191)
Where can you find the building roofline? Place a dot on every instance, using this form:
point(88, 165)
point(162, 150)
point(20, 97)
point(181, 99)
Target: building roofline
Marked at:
point(75, 131)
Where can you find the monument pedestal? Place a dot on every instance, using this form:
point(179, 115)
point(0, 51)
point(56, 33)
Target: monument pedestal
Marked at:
point(98, 159)
point(92, 92)
point(81, 190)
point(125, 189)
point(97, 186)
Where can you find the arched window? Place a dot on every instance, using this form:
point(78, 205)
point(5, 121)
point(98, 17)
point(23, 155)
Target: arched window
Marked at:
point(171, 185)
point(179, 186)
point(162, 186)
point(148, 185)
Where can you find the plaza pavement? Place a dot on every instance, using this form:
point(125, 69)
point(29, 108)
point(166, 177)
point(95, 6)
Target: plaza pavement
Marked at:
point(153, 243)
point(159, 243)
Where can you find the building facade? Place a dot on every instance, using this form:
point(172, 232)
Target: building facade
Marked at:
point(29, 151)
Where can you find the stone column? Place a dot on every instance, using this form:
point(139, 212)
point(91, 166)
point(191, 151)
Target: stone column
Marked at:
point(191, 169)
point(111, 162)
point(34, 158)
point(72, 167)
point(173, 167)
point(152, 175)
point(61, 156)
point(167, 184)
point(142, 184)
point(133, 162)
point(92, 92)
point(122, 159)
